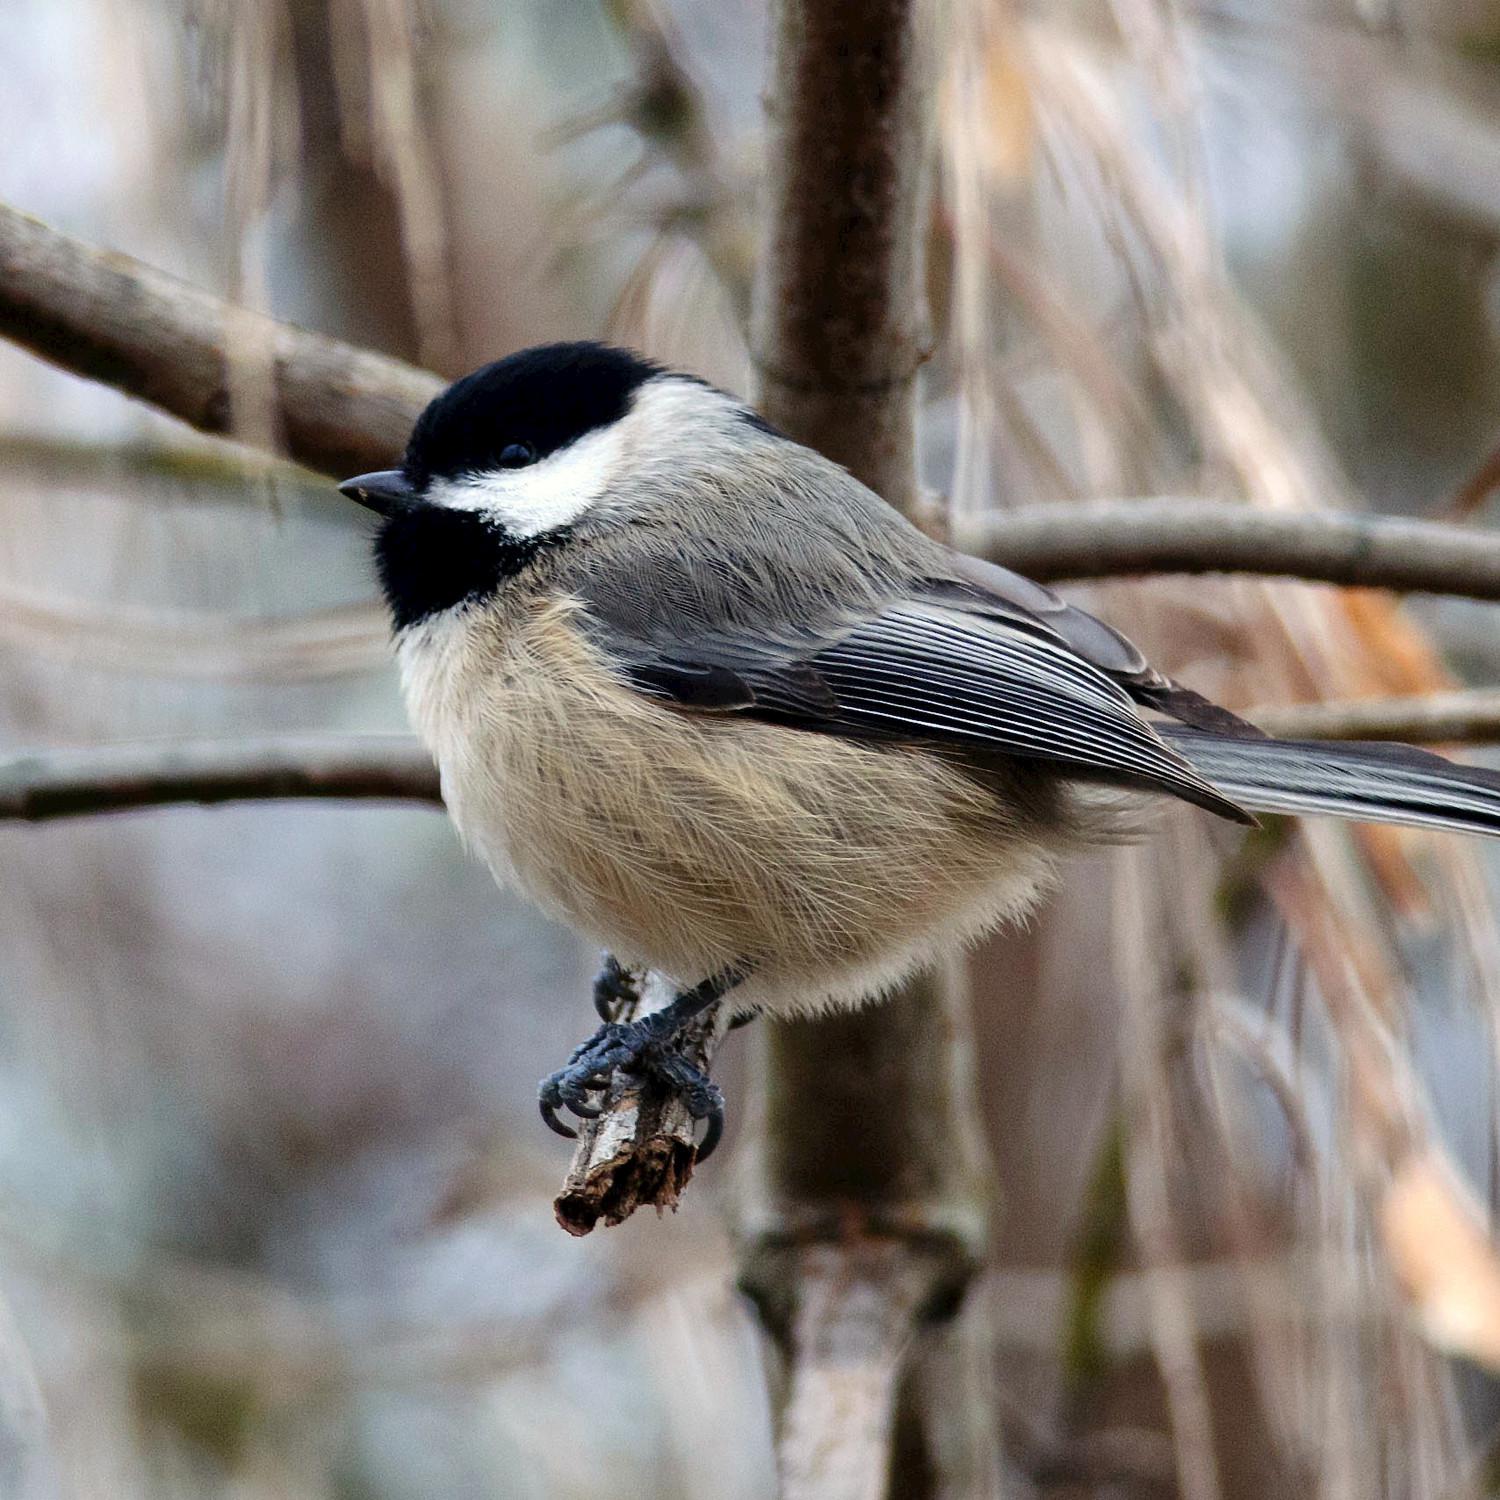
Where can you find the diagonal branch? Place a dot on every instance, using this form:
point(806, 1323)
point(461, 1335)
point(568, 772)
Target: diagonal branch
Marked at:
point(338, 408)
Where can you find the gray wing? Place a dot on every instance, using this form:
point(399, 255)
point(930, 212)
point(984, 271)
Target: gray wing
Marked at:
point(990, 586)
point(818, 606)
point(1374, 783)
point(894, 637)
point(941, 665)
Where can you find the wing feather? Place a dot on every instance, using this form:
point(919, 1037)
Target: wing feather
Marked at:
point(923, 671)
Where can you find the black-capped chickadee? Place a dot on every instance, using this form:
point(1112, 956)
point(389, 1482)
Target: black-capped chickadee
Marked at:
point(700, 693)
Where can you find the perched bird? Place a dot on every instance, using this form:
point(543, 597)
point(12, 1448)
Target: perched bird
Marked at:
point(700, 693)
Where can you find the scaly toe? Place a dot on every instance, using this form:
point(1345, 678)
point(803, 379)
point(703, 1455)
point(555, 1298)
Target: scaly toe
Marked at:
point(641, 1048)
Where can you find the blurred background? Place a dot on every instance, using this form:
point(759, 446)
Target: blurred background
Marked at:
point(275, 1206)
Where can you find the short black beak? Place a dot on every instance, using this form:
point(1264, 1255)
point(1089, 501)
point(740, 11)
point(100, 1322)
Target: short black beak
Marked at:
point(386, 491)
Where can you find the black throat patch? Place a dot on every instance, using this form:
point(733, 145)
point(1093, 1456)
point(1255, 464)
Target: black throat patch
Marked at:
point(431, 558)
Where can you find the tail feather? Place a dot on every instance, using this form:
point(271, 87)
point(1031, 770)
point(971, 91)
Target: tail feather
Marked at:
point(1372, 783)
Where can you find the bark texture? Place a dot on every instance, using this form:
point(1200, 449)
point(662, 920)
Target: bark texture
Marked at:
point(336, 408)
point(1123, 538)
point(839, 327)
point(53, 784)
point(340, 408)
point(864, 1216)
point(641, 1151)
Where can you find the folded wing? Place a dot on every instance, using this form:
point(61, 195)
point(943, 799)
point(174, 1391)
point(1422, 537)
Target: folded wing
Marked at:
point(924, 671)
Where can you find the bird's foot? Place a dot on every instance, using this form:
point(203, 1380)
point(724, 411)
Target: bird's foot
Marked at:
point(647, 1047)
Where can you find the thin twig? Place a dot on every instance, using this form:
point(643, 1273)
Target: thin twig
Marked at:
point(1470, 717)
point(337, 408)
point(47, 785)
point(1124, 538)
point(641, 1150)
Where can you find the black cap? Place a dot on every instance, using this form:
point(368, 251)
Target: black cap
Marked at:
point(542, 398)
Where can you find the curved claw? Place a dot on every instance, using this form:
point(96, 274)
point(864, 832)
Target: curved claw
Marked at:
point(710, 1137)
point(549, 1118)
point(645, 1047)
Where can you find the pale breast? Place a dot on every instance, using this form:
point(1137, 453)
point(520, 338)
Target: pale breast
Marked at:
point(694, 842)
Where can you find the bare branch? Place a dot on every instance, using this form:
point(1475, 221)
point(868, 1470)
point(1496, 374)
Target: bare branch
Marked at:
point(1124, 538)
point(867, 1213)
point(338, 409)
point(839, 329)
point(1471, 717)
point(55, 784)
point(640, 1152)
point(848, 1339)
point(48, 785)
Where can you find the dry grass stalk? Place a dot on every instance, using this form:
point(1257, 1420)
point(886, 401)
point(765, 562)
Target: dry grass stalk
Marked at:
point(1229, 384)
point(1147, 1044)
point(404, 155)
point(1435, 1234)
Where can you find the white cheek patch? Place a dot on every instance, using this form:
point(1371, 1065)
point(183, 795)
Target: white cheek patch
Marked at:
point(549, 494)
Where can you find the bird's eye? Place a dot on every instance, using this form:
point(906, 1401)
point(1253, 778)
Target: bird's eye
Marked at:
point(517, 455)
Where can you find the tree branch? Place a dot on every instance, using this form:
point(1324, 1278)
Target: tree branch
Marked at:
point(338, 409)
point(640, 1152)
point(866, 1213)
point(1471, 717)
point(1123, 538)
point(848, 1341)
point(839, 326)
point(49, 785)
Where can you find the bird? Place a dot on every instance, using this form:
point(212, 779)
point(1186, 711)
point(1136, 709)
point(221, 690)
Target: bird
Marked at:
point(697, 691)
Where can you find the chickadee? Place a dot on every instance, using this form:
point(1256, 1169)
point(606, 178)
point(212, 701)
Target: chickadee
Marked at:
point(707, 698)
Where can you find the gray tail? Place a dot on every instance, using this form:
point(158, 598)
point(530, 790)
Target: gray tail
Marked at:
point(1373, 783)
